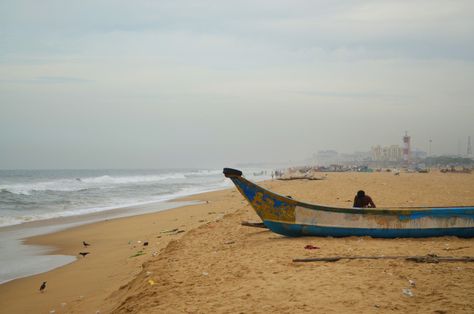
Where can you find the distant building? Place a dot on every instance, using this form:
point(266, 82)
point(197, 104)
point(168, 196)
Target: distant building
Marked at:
point(395, 153)
point(376, 153)
point(392, 153)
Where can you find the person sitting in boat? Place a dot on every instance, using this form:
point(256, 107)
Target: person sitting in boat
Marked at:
point(363, 201)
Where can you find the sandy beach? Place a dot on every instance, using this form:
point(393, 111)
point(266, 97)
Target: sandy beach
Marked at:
point(118, 118)
point(200, 259)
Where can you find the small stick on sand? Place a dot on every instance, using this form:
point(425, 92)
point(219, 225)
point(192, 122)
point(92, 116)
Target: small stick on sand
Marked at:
point(430, 258)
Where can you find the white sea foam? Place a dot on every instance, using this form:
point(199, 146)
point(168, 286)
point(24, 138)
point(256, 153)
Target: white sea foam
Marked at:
point(63, 185)
point(132, 179)
point(9, 220)
point(39, 198)
point(204, 173)
point(114, 204)
point(78, 184)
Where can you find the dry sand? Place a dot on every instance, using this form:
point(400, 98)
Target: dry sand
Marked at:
point(217, 265)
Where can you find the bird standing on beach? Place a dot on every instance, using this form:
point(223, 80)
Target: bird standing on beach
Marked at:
point(83, 253)
point(85, 243)
point(43, 286)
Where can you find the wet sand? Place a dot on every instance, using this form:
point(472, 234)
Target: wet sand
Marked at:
point(20, 259)
point(217, 265)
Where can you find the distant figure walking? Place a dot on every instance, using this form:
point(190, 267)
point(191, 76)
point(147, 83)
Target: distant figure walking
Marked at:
point(362, 200)
point(43, 286)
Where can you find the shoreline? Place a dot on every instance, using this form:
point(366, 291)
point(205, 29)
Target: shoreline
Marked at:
point(123, 244)
point(215, 263)
point(16, 245)
point(14, 238)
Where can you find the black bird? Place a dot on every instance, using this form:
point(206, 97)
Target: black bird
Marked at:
point(85, 243)
point(84, 253)
point(145, 243)
point(43, 286)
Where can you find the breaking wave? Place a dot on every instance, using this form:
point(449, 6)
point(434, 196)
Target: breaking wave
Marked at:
point(104, 181)
point(29, 195)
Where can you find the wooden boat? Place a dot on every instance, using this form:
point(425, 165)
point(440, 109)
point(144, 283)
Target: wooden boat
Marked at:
point(290, 217)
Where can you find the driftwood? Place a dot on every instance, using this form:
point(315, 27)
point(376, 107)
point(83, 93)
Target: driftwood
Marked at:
point(430, 258)
point(299, 178)
point(456, 248)
point(253, 224)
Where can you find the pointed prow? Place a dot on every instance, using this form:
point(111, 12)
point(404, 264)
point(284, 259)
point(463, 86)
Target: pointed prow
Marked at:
point(229, 173)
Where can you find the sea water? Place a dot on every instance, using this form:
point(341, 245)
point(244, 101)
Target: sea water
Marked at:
point(29, 196)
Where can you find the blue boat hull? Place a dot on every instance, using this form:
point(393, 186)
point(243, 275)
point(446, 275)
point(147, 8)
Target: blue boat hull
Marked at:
point(297, 230)
point(290, 217)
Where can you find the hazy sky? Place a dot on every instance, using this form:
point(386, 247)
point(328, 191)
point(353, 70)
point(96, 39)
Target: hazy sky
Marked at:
point(154, 84)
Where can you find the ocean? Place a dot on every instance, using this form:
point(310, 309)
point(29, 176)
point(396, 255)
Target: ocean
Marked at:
point(31, 199)
point(29, 195)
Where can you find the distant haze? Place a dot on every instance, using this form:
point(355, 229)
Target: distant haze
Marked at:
point(158, 84)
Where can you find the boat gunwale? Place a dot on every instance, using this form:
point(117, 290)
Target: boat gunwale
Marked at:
point(354, 210)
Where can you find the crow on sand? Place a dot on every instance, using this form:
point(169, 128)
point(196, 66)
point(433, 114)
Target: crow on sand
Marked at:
point(43, 286)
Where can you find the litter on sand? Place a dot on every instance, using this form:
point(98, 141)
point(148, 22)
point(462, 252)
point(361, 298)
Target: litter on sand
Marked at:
point(138, 254)
point(407, 292)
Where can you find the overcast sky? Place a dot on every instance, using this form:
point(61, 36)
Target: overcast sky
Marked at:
point(156, 84)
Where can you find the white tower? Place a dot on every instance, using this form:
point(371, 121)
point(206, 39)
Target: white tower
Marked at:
point(406, 148)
